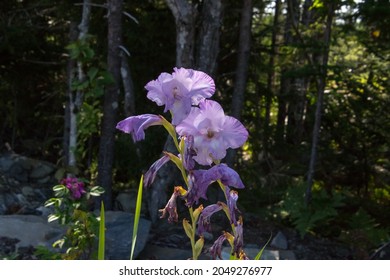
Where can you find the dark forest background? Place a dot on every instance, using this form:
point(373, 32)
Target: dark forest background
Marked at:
point(309, 79)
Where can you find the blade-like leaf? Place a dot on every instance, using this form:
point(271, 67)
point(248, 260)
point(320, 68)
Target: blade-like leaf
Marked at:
point(259, 254)
point(102, 235)
point(137, 216)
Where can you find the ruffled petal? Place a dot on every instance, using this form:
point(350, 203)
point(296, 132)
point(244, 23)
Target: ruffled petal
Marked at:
point(234, 134)
point(213, 132)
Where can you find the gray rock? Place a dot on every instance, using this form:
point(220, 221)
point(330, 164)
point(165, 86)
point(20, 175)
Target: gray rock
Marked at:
point(279, 241)
point(30, 230)
point(3, 208)
point(34, 230)
point(41, 170)
point(119, 232)
point(25, 183)
point(6, 161)
point(27, 191)
point(18, 172)
point(125, 201)
point(25, 169)
point(287, 255)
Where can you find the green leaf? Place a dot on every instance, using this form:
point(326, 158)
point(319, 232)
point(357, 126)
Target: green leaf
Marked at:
point(107, 78)
point(92, 72)
point(101, 247)
point(53, 217)
point(198, 247)
point(60, 173)
point(59, 243)
point(188, 228)
point(53, 201)
point(137, 216)
point(258, 256)
point(59, 188)
point(197, 212)
point(96, 191)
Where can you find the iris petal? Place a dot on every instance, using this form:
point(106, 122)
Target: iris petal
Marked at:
point(150, 175)
point(179, 90)
point(136, 125)
point(201, 179)
point(213, 132)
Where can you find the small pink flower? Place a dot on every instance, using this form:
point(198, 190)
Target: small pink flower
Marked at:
point(75, 187)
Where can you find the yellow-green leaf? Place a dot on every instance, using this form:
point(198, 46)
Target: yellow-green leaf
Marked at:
point(188, 228)
point(198, 247)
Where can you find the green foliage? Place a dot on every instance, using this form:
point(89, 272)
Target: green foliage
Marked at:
point(137, 215)
point(322, 210)
point(90, 84)
point(364, 232)
point(43, 253)
point(81, 49)
point(82, 225)
point(260, 253)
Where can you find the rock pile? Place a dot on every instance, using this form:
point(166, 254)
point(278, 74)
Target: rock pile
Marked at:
point(25, 184)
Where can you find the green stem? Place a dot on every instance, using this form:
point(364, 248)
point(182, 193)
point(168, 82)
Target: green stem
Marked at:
point(179, 163)
point(192, 238)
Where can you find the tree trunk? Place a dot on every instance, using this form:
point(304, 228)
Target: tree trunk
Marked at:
point(186, 16)
point(128, 86)
point(76, 98)
point(321, 83)
point(106, 148)
point(70, 69)
point(271, 80)
point(208, 38)
point(284, 133)
point(242, 67)
point(242, 59)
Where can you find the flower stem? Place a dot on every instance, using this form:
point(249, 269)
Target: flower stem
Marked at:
point(192, 238)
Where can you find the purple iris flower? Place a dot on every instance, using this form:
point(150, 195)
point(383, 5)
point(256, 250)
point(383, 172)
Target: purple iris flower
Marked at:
point(189, 153)
point(204, 218)
point(150, 175)
point(216, 249)
point(232, 197)
point(238, 239)
point(171, 207)
point(200, 180)
point(213, 131)
point(136, 125)
point(180, 90)
point(75, 187)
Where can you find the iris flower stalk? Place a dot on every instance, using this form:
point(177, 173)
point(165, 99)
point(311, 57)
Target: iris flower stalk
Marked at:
point(205, 134)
